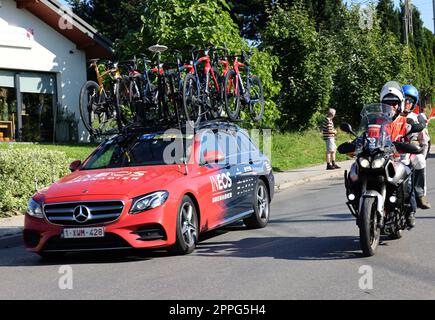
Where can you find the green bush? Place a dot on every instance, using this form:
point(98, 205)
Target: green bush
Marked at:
point(19, 168)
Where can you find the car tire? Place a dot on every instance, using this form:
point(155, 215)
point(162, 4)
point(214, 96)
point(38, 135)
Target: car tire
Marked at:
point(261, 205)
point(187, 227)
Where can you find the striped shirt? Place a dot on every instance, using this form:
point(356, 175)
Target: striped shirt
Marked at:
point(328, 128)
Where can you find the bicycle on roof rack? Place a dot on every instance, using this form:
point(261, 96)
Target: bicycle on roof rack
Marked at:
point(152, 91)
point(202, 92)
point(241, 93)
point(99, 105)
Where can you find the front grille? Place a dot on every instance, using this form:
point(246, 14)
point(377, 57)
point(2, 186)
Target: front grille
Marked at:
point(93, 212)
point(110, 241)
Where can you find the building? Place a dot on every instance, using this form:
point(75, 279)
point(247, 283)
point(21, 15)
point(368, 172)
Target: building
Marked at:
point(44, 49)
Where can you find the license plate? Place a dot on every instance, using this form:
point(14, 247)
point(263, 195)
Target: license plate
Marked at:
point(74, 233)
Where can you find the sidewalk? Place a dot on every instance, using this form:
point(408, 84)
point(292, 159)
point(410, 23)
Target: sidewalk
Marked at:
point(11, 228)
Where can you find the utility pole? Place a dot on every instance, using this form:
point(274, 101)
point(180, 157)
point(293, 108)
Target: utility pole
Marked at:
point(433, 7)
point(408, 20)
point(405, 22)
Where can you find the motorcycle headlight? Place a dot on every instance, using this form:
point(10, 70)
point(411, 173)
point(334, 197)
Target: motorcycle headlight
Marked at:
point(378, 163)
point(34, 209)
point(148, 201)
point(364, 162)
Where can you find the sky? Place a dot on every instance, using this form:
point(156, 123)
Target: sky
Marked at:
point(425, 7)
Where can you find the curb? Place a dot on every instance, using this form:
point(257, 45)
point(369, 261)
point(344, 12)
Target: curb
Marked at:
point(320, 177)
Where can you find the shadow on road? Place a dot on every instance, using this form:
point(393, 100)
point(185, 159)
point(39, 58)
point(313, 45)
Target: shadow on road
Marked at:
point(287, 248)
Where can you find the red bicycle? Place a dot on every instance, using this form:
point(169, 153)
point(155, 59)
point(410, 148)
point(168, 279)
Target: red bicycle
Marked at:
point(202, 93)
point(248, 93)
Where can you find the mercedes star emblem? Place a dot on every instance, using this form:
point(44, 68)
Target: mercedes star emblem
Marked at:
point(81, 214)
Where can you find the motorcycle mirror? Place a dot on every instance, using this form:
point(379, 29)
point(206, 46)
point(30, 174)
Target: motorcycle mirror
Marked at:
point(346, 147)
point(418, 127)
point(408, 148)
point(346, 127)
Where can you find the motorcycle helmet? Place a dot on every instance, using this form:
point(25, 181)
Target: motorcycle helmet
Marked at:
point(411, 93)
point(392, 94)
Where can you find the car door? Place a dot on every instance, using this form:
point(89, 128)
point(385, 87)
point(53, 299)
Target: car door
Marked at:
point(249, 165)
point(212, 182)
point(228, 145)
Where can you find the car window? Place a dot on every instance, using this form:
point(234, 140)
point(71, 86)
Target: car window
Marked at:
point(209, 142)
point(228, 145)
point(247, 149)
point(143, 150)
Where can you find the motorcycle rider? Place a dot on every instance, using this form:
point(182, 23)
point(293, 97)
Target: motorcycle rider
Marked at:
point(417, 161)
point(393, 95)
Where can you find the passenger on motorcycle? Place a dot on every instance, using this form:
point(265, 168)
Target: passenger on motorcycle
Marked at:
point(417, 161)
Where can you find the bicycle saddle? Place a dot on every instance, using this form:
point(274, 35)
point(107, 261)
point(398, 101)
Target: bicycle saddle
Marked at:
point(158, 48)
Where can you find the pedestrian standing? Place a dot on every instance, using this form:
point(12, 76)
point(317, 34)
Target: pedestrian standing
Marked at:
point(329, 134)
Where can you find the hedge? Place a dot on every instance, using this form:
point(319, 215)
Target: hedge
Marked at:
point(20, 168)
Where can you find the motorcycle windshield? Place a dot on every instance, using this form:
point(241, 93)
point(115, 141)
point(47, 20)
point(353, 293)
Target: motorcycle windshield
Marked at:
point(376, 127)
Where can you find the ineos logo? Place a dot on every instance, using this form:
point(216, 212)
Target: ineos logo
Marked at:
point(221, 182)
point(81, 214)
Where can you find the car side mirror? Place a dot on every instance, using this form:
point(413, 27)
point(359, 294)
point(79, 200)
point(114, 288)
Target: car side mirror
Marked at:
point(213, 156)
point(75, 165)
point(346, 127)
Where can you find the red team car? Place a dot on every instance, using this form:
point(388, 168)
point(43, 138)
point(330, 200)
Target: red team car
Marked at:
point(127, 194)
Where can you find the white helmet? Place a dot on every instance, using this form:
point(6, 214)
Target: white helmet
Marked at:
point(392, 91)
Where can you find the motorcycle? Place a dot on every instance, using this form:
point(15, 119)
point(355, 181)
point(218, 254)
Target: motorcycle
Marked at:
point(378, 186)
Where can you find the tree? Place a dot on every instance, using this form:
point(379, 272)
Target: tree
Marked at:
point(307, 65)
point(114, 19)
point(389, 17)
point(368, 59)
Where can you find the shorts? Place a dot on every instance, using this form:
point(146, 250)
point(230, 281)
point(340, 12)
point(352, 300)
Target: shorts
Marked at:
point(330, 145)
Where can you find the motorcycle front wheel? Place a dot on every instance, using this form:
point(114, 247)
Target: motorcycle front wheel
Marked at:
point(369, 231)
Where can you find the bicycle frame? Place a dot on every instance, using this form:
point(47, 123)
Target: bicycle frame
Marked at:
point(207, 71)
point(100, 76)
point(236, 65)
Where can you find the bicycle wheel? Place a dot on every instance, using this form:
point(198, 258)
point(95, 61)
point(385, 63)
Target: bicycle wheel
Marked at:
point(122, 93)
point(214, 103)
point(191, 103)
point(92, 107)
point(171, 98)
point(232, 95)
point(120, 103)
point(256, 101)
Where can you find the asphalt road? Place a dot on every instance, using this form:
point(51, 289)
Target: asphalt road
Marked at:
point(310, 250)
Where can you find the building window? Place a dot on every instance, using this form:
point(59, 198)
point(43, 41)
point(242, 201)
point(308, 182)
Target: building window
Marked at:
point(32, 115)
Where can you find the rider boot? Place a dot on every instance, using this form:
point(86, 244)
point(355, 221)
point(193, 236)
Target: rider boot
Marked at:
point(420, 188)
point(410, 220)
point(335, 165)
point(423, 203)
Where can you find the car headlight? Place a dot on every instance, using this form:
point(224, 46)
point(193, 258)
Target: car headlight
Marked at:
point(378, 163)
point(148, 201)
point(364, 162)
point(34, 209)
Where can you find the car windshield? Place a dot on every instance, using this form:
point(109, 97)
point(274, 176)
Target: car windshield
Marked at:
point(140, 150)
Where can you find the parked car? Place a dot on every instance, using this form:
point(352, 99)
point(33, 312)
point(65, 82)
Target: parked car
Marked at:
point(127, 195)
